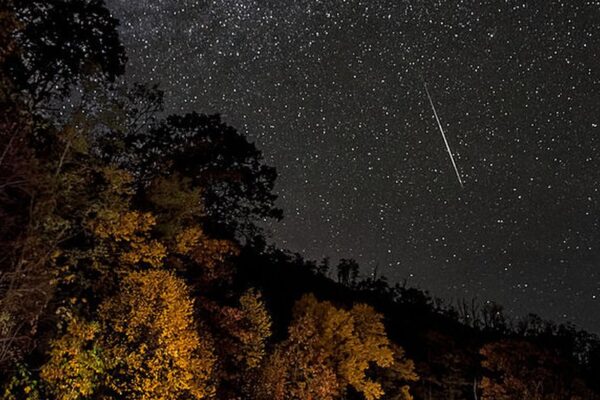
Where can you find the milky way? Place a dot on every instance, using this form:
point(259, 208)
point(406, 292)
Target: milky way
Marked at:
point(332, 92)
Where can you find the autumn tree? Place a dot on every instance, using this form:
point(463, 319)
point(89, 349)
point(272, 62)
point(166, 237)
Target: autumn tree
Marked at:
point(108, 236)
point(146, 345)
point(153, 316)
point(77, 366)
point(328, 351)
point(242, 331)
point(395, 379)
point(45, 49)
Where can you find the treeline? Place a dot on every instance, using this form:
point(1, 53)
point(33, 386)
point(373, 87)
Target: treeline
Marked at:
point(464, 350)
point(132, 265)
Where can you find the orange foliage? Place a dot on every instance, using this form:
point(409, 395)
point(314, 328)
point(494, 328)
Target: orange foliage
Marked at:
point(161, 354)
point(328, 349)
point(76, 364)
point(203, 250)
point(129, 233)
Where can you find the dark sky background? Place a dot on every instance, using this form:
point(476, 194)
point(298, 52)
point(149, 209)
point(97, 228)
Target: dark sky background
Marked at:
point(332, 92)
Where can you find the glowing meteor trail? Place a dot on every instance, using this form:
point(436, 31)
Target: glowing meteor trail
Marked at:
point(444, 136)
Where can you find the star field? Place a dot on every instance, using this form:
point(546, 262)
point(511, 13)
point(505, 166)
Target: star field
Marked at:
point(332, 92)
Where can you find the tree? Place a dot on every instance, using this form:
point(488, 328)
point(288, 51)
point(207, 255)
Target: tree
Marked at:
point(77, 366)
point(151, 329)
point(145, 346)
point(45, 49)
point(347, 271)
point(257, 328)
point(63, 41)
point(395, 379)
point(212, 155)
point(242, 333)
point(323, 267)
point(328, 350)
point(492, 317)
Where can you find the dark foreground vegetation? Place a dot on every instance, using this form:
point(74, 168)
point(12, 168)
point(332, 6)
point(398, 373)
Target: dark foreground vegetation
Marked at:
point(132, 265)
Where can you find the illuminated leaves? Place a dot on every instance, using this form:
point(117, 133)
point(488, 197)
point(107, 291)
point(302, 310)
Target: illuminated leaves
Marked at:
point(396, 378)
point(328, 349)
point(131, 230)
point(162, 353)
point(146, 346)
point(257, 328)
point(207, 252)
point(76, 364)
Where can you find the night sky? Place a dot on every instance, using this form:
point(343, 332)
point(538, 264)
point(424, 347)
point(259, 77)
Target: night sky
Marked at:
point(332, 92)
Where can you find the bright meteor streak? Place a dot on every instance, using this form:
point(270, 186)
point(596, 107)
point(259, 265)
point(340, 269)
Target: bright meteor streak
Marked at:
point(444, 136)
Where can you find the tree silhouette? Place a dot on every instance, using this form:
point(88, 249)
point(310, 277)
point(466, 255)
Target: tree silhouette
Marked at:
point(347, 271)
point(212, 155)
point(61, 42)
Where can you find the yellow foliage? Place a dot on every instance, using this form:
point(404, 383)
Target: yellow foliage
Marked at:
point(123, 226)
point(295, 372)
point(372, 346)
point(208, 252)
point(151, 252)
point(76, 364)
point(156, 340)
point(188, 239)
point(395, 379)
point(258, 328)
point(132, 230)
point(327, 350)
point(146, 346)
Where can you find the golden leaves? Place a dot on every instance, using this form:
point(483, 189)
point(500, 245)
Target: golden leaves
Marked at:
point(129, 226)
point(188, 239)
point(258, 327)
point(207, 252)
point(132, 230)
point(327, 342)
point(152, 253)
point(146, 346)
point(156, 336)
point(76, 364)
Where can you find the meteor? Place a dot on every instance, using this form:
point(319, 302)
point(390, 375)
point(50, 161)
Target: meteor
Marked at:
point(444, 137)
